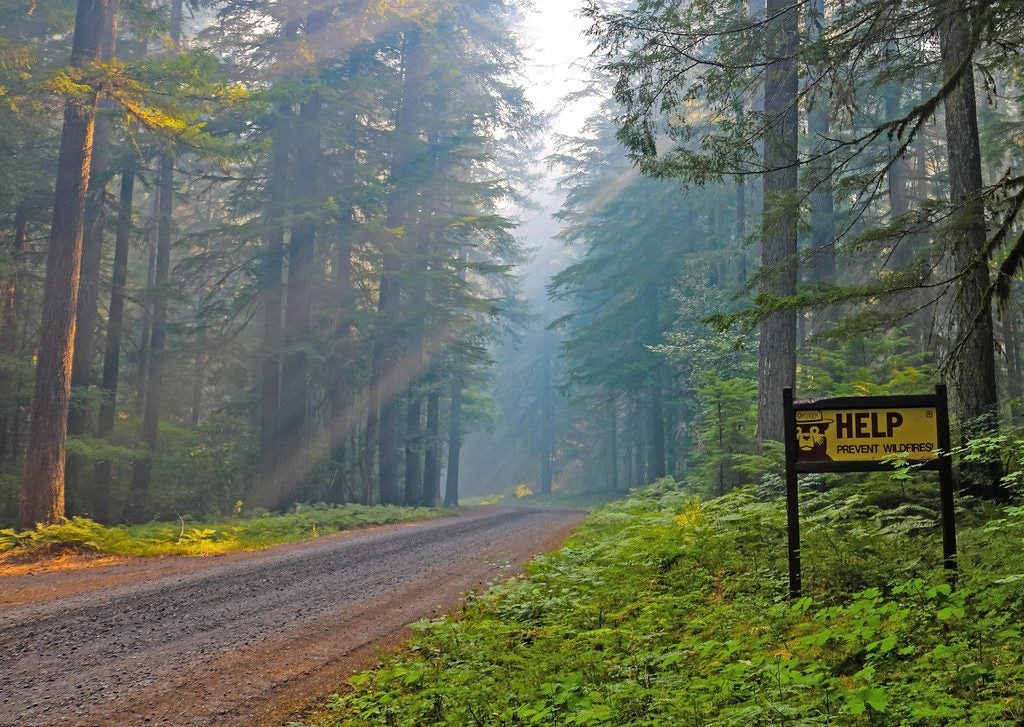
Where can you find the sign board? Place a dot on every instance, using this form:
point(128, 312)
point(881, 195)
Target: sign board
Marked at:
point(880, 434)
point(863, 434)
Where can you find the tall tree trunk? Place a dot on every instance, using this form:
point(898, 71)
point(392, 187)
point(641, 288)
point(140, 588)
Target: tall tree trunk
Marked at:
point(656, 441)
point(414, 397)
point(198, 381)
point(42, 488)
point(413, 448)
point(341, 417)
point(143, 470)
point(115, 327)
point(451, 487)
point(1015, 374)
point(146, 334)
point(777, 344)
point(741, 229)
point(613, 442)
point(10, 308)
point(822, 204)
point(414, 402)
point(432, 456)
point(401, 205)
point(973, 358)
point(630, 443)
point(547, 413)
point(899, 178)
point(299, 304)
point(87, 311)
point(272, 298)
point(639, 441)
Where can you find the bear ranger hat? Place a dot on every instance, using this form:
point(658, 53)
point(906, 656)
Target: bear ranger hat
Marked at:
point(806, 418)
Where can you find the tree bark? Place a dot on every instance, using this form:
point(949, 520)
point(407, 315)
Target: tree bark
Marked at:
point(547, 427)
point(272, 295)
point(741, 230)
point(299, 297)
point(656, 424)
point(146, 334)
point(432, 456)
point(10, 308)
point(451, 487)
point(613, 442)
point(115, 328)
point(387, 352)
point(1015, 375)
point(341, 418)
point(198, 381)
point(822, 204)
point(777, 344)
point(143, 471)
point(87, 310)
point(42, 489)
point(973, 356)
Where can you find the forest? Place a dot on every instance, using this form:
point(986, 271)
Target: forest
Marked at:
point(535, 280)
point(256, 254)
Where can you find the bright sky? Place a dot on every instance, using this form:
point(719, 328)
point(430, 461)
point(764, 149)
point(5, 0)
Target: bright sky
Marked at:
point(559, 52)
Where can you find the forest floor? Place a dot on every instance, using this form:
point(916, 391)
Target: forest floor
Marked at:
point(243, 638)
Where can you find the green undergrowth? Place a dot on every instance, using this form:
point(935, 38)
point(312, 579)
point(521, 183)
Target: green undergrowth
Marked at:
point(664, 609)
point(211, 537)
point(569, 500)
point(557, 499)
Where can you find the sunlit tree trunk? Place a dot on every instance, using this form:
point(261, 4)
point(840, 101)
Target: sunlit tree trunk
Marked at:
point(42, 488)
point(87, 310)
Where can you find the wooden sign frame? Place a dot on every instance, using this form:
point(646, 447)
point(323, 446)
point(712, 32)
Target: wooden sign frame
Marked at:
point(794, 468)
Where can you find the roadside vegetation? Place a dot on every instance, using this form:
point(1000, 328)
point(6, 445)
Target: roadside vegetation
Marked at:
point(670, 609)
point(524, 496)
point(210, 537)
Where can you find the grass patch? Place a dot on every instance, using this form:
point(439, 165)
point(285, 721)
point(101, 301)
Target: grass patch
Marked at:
point(667, 610)
point(210, 537)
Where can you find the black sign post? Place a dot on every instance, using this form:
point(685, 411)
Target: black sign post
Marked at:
point(865, 434)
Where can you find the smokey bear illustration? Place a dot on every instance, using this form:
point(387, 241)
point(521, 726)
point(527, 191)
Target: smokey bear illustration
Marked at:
point(812, 437)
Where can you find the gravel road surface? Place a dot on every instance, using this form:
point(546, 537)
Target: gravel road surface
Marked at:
point(248, 639)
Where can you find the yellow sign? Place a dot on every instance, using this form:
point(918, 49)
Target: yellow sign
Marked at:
point(866, 435)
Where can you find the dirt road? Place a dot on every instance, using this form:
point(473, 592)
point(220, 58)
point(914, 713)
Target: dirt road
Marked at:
point(247, 639)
